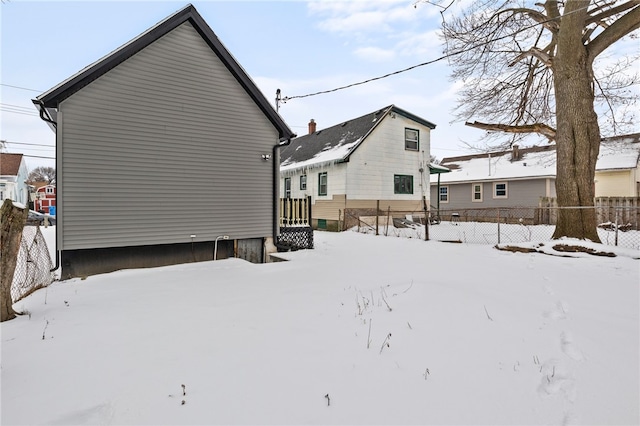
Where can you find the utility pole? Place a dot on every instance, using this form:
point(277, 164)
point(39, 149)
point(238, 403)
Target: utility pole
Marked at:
point(278, 99)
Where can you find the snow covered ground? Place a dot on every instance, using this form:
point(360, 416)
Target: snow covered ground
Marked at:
point(361, 330)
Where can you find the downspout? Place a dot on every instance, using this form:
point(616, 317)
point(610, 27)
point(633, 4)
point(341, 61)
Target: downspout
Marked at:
point(276, 192)
point(49, 120)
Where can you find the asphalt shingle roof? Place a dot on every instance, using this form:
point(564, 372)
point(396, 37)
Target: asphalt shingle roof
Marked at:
point(10, 164)
point(336, 143)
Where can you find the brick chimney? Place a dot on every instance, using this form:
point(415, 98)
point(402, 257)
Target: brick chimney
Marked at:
point(312, 126)
point(515, 154)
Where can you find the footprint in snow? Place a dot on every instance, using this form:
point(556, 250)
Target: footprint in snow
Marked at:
point(560, 311)
point(568, 347)
point(556, 379)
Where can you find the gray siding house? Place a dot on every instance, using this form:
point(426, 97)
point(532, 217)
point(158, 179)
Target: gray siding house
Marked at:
point(166, 153)
point(505, 179)
point(522, 176)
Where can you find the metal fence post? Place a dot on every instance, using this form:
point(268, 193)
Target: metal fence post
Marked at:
point(498, 226)
point(617, 226)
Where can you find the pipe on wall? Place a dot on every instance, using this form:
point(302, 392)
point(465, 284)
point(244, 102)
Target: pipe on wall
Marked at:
point(44, 116)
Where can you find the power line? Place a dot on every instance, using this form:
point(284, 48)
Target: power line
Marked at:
point(16, 109)
point(449, 55)
point(38, 156)
point(18, 106)
point(19, 112)
point(21, 88)
point(286, 98)
point(31, 156)
point(28, 143)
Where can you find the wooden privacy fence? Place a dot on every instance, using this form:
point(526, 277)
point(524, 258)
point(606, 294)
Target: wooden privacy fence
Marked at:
point(621, 211)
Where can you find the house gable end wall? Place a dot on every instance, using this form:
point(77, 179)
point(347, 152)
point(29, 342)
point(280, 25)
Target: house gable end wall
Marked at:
point(382, 155)
point(166, 145)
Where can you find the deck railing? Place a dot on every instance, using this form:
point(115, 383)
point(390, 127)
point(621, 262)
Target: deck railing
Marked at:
point(295, 211)
point(296, 231)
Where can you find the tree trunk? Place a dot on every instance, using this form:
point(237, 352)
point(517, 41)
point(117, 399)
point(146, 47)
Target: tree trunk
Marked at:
point(13, 219)
point(578, 133)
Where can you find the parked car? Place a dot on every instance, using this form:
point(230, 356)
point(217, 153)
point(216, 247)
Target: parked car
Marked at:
point(37, 218)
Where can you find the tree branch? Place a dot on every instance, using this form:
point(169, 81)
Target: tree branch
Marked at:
point(614, 32)
point(549, 23)
point(540, 128)
point(610, 12)
point(536, 53)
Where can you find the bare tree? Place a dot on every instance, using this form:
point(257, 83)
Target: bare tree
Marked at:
point(42, 174)
point(529, 69)
point(12, 219)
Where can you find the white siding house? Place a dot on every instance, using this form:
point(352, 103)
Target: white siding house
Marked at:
point(380, 160)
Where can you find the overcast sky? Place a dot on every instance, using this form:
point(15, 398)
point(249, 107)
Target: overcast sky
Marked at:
point(299, 47)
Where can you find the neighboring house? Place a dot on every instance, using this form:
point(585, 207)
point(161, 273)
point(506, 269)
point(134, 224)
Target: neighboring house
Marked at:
point(13, 178)
point(165, 153)
point(379, 159)
point(45, 198)
point(618, 167)
point(521, 176)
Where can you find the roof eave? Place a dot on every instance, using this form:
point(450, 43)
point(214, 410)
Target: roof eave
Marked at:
point(497, 178)
point(366, 135)
point(413, 117)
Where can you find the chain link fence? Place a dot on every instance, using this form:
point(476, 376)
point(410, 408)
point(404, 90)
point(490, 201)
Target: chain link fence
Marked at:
point(33, 266)
point(618, 226)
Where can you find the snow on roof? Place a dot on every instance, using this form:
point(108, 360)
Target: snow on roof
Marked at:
point(619, 153)
point(616, 153)
point(437, 168)
point(326, 156)
point(499, 166)
point(336, 143)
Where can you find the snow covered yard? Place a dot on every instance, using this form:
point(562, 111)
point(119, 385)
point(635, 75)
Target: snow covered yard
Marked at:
point(360, 330)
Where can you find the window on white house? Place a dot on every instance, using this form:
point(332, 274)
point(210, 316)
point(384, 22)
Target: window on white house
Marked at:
point(287, 187)
point(500, 190)
point(303, 182)
point(411, 139)
point(402, 184)
point(476, 195)
point(444, 194)
point(322, 183)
